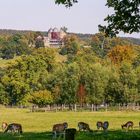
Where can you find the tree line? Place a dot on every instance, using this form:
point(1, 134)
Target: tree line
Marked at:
point(79, 72)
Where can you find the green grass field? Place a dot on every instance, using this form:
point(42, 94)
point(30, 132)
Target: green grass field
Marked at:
point(38, 125)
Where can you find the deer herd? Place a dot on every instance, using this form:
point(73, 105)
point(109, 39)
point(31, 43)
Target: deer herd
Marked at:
point(60, 128)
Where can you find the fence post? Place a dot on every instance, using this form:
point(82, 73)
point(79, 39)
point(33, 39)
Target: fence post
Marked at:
point(62, 107)
point(119, 107)
point(92, 106)
point(134, 106)
point(75, 107)
point(106, 107)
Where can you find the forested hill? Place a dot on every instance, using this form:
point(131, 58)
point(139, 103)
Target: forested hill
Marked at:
point(12, 32)
point(84, 37)
point(133, 40)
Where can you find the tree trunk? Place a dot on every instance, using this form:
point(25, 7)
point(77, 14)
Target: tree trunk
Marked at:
point(94, 107)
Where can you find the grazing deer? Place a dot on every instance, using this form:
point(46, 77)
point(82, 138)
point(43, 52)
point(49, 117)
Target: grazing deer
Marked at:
point(128, 125)
point(102, 125)
point(14, 127)
point(84, 126)
point(99, 125)
point(105, 125)
point(4, 126)
point(59, 128)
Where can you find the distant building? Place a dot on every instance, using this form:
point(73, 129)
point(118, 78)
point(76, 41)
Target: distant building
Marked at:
point(54, 38)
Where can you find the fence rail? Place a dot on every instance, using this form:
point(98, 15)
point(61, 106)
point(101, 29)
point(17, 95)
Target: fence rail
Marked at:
point(86, 107)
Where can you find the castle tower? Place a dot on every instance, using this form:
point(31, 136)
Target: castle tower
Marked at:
point(62, 34)
point(50, 33)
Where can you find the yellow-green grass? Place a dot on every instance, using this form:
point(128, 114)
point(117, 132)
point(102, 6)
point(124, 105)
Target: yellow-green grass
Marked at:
point(38, 125)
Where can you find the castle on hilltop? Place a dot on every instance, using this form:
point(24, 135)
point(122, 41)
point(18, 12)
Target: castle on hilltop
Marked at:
point(54, 38)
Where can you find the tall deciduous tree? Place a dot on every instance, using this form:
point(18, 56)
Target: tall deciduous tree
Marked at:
point(41, 98)
point(70, 84)
point(96, 79)
point(4, 99)
point(71, 45)
point(26, 75)
point(119, 54)
point(128, 78)
point(138, 76)
point(15, 45)
point(113, 90)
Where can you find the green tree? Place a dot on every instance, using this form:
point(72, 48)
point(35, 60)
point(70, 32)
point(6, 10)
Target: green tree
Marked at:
point(71, 45)
point(114, 88)
point(64, 83)
point(96, 80)
point(15, 45)
point(15, 87)
point(128, 78)
point(39, 43)
point(98, 45)
point(4, 99)
point(41, 98)
point(48, 55)
point(67, 3)
point(7, 52)
point(136, 61)
point(25, 75)
point(138, 76)
point(69, 84)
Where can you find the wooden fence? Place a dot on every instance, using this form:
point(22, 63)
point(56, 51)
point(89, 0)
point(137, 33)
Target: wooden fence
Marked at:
point(86, 107)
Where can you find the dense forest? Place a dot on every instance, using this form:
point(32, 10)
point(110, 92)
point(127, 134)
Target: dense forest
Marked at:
point(89, 68)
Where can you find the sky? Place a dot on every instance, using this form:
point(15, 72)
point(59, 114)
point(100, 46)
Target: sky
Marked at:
point(40, 15)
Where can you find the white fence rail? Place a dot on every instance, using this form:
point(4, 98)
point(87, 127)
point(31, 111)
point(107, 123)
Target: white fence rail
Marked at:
point(86, 107)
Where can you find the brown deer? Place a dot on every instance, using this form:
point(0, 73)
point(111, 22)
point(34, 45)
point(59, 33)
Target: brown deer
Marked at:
point(59, 128)
point(128, 125)
point(4, 126)
point(14, 127)
point(84, 126)
point(105, 125)
point(102, 125)
point(99, 125)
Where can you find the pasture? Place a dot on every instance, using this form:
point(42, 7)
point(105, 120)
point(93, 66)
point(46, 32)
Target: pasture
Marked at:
point(38, 125)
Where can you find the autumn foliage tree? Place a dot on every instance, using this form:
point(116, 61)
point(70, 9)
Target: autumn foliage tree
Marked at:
point(119, 54)
point(81, 94)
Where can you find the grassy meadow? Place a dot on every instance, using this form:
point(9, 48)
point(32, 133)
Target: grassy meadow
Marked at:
point(38, 125)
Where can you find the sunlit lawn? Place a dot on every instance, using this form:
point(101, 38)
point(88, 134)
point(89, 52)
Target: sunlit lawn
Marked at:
point(38, 125)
